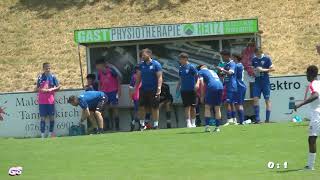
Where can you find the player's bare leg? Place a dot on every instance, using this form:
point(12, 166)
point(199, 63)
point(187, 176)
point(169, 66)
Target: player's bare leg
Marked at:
point(217, 111)
point(167, 105)
point(93, 122)
point(99, 118)
point(142, 115)
point(187, 116)
point(207, 115)
point(193, 116)
point(256, 109)
point(312, 140)
point(155, 117)
point(115, 116)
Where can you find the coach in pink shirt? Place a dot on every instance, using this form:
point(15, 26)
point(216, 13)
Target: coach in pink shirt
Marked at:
point(110, 84)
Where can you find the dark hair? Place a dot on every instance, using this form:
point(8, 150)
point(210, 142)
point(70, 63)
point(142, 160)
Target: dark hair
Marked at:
point(183, 55)
point(91, 76)
point(237, 56)
point(312, 71)
point(258, 50)
point(146, 50)
point(72, 99)
point(225, 52)
point(44, 64)
point(100, 61)
point(199, 67)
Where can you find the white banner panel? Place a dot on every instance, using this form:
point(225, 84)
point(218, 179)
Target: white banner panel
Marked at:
point(282, 88)
point(20, 114)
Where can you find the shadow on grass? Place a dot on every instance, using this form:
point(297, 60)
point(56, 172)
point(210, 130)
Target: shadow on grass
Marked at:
point(290, 170)
point(198, 132)
point(299, 125)
point(47, 8)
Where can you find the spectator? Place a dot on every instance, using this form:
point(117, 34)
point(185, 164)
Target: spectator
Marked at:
point(110, 84)
point(150, 75)
point(47, 85)
point(92, 84)
point(188, 85)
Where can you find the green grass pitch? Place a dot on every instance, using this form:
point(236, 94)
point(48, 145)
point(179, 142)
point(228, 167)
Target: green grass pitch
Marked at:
point(236, 153)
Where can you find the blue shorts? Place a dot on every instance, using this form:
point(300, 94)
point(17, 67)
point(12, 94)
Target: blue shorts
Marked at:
point(231, 97)
point(240, 96)
point(112, 98)
point(263, 88)
point(213, 97)
point(46, 110)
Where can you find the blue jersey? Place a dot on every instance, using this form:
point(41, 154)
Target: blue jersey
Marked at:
point(90, 99)
point(239, 75)
point(49, 78)
point(231, 80)
point(264, 62)
point(149, 75)
point(188, 76)
point(211, 79)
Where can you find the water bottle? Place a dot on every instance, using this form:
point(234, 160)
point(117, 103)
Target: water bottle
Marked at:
point(291, 103)
point(178, 94)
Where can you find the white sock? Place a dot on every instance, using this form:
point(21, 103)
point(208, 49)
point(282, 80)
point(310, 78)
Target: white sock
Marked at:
point(188, 122)
point(142, 122)
point(311, 159)
point(155, 123)
point(193, 122)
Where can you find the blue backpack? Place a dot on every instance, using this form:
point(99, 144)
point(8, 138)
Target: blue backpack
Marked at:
point(77, 130)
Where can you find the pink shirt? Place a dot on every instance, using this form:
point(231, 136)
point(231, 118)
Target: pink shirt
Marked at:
point(46, 82)
point(135, 95)
point(108, 81)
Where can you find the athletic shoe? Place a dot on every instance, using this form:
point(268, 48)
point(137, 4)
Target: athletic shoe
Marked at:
point(42, 135)
point(216, 129)
point(189, 125)
point(51, 135)
point(309, 168)
point(226, 124)
point(142, 128)
point(207, 129)
point(132, 125)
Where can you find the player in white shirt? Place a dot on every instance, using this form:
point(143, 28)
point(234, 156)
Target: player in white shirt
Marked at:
point(314, 125)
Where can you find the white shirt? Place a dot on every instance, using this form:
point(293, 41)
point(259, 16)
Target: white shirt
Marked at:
point(314, 86)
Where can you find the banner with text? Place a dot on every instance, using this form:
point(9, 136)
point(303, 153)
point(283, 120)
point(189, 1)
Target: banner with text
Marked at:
point(19, 114)
point(282, 88)
point(233, 27)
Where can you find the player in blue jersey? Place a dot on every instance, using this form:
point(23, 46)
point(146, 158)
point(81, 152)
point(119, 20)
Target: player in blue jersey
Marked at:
point(230, 82)
point(92, 104)
point(262, 65)
point(150, 76)
point(187, 85)
point(211, 96)
point(241, 88)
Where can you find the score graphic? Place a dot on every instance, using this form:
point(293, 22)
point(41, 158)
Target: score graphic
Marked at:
point(272, 165)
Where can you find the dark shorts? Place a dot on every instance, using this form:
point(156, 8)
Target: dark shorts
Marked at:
point(189, 98)
point(264, 88)
point(46, 110)
point(213, 97)
point(100, 106)
point(112, 98)
point(241, 93)
point(231, 97)
point(149, 99)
